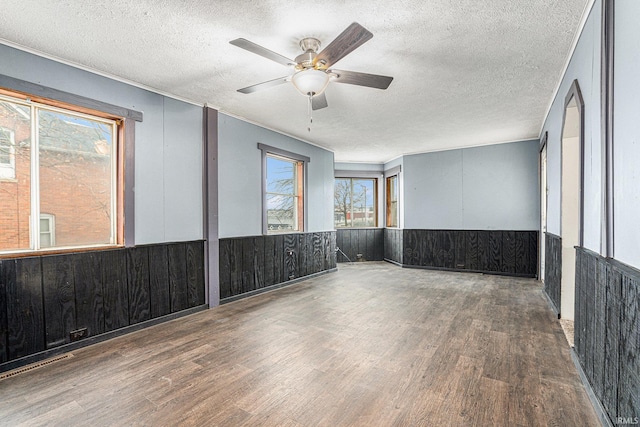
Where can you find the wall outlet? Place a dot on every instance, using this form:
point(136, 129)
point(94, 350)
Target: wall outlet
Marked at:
point(78, 334)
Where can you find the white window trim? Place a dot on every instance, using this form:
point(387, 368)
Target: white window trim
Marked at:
point(52, 228)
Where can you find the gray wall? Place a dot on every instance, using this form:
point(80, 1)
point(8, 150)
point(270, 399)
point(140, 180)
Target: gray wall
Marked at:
point(585, 67)
point(626, 133)
point(240, 175)
point(168, 153)
point(359, 167)
point(483, 188)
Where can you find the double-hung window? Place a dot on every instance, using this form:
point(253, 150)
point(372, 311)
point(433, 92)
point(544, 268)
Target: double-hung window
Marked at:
point(58, 176)
point(355, 202)
point(283, 191)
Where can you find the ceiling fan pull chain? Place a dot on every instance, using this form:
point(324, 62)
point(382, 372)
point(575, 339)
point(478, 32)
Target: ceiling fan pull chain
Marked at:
point(309, 110)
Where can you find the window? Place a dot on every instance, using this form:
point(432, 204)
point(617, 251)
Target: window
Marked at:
point(47, 231)
point(283, 191)
point(392, 201)
point(64, 163)
point(7, 154)
point(355, 202)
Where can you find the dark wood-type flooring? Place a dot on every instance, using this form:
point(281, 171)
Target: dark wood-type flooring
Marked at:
point(370, 345)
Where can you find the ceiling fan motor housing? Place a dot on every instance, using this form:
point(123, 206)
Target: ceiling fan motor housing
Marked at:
point(306, 60)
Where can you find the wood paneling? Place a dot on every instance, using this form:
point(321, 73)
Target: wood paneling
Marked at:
point(378, 239)
point(446, 240)
point(508, 251)
point(25, 310)
point(225, 261)
point(269, 262)
point(114, 286)
point(483, 251)
point(290, 256)
point(531, 268)
point(607, 331)
point(177, 255)
point(278, 260)
point(318, 254)
point(552, 267)
point(495, 251)
point(393, 246)
point(59, 298)
point(159, 289)
point(195, 273)
point(138, 284)
point(273, 259)
point(368, 242)
point(460, 249)
point(89, 296)
point(43, 299)
point(472, 250)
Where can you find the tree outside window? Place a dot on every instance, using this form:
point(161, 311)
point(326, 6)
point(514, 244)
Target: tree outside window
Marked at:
point(355, 202)
point(284, 194)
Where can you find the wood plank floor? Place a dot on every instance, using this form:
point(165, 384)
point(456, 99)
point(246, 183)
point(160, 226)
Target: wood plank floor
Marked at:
point(370, 345)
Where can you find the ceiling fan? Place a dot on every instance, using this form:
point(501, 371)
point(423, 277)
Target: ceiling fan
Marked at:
point(312, 70)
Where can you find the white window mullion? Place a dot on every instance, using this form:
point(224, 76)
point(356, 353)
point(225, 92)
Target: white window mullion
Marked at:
point(35, 181)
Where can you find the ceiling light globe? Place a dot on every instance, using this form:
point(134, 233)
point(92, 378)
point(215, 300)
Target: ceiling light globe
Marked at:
point(310, 82)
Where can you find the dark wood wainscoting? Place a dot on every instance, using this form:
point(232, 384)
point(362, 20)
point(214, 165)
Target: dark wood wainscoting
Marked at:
point(607, 331)
point(360, 244)
point(54, 300)
point(553, 269)
point(393, 246)
point(513, 253)
point(250, 264)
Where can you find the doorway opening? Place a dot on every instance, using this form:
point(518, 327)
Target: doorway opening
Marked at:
point(571, 205)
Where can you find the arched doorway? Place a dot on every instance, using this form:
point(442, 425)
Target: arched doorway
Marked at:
point(571, 201)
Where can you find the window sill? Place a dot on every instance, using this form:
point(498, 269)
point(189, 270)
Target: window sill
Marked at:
point(57, 251)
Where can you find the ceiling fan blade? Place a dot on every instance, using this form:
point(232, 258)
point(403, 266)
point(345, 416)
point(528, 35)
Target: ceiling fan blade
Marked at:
point(319, 101)
point(361, 79)
point(264, 85)
point(262, 51)
point(350, 39)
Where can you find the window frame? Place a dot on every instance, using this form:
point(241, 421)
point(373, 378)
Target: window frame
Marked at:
point(300, 186)
point(26, 92)
point(393, 173)
point(51, 219)
point(365, 175)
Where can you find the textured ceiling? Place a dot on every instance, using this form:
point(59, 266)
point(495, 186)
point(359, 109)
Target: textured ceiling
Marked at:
point(466, 72)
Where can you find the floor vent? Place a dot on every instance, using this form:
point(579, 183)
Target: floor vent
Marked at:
point(34, 366)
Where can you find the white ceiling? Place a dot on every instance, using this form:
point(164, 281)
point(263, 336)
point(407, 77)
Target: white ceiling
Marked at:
point(466, 72)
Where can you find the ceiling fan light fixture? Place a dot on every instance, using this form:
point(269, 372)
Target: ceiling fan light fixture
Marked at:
point(310, 82)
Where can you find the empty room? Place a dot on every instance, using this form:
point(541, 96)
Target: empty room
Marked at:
point(238, 213)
